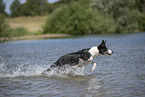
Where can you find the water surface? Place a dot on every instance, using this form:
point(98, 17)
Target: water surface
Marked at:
point(122, 74)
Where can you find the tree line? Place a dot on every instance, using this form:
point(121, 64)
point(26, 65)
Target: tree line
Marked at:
point(79, 17)
point(30, 8)
point(35, 7)
point(98, 16)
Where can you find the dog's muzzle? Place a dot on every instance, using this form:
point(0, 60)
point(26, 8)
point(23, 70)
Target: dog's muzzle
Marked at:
point(109, 52)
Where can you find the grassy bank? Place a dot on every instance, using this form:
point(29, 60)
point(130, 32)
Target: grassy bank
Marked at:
point(32, 24)
point(22, 28)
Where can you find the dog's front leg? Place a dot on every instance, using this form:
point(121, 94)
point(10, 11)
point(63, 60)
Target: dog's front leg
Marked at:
point(94, 66)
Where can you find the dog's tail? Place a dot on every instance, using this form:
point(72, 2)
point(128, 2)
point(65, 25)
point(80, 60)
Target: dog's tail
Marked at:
point(51, 67)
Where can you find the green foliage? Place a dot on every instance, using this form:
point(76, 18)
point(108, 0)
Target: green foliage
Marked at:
point(36, 7)
point(140, 5)
point(142, 22)
point(1, 22)
point(122, 11)
point(14, 7)
point(2, 7)
point(31, 8)
point(77, 19)
point(7, 32)
point(4, 28)
point(20, 31)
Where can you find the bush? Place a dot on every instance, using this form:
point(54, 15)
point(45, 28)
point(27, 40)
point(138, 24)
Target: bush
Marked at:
point(122, 11)
point(6, 32)
point(141, 22)
point(4, 28)
point(20, 31)
point(76, 19)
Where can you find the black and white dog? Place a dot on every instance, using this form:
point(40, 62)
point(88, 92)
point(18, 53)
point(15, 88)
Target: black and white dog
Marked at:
point(83, 57)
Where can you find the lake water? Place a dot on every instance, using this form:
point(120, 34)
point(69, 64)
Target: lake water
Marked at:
point(121, 74)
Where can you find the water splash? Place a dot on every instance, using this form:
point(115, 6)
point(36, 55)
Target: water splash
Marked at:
point(65, 71)
point(22, 70)
point(32, 70)
point(27, 70)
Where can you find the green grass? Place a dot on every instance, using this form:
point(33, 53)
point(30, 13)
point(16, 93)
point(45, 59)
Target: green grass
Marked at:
point(32, 24)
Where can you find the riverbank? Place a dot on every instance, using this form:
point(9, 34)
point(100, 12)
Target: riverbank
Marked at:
point(35, 37)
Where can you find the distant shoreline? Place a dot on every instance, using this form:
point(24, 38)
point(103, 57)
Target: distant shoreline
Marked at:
point(34, 37)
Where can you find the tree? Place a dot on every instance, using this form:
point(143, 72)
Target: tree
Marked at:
point(31, 8)
point(14, 6)
point(78, 19)
point(4, 28)
point(36, 7)
point(140, 4)
point(122, 11)
point(2, 7)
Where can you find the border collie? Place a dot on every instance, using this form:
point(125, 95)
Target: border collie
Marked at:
point(83, 57)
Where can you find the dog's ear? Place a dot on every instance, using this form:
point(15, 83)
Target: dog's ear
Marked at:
point(103, 42)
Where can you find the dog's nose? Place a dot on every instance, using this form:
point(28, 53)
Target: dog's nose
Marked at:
point(112, 52)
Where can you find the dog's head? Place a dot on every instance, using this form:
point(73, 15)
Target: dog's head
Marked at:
point(103, 50)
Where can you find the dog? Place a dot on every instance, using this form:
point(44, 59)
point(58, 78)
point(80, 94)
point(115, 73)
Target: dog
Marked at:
point(83, 57)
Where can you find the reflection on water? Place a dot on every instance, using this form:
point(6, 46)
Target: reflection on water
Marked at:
point(22, 66)
point(93, 88)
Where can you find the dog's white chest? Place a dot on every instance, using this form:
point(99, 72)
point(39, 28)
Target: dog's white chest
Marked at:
point(94, 52)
